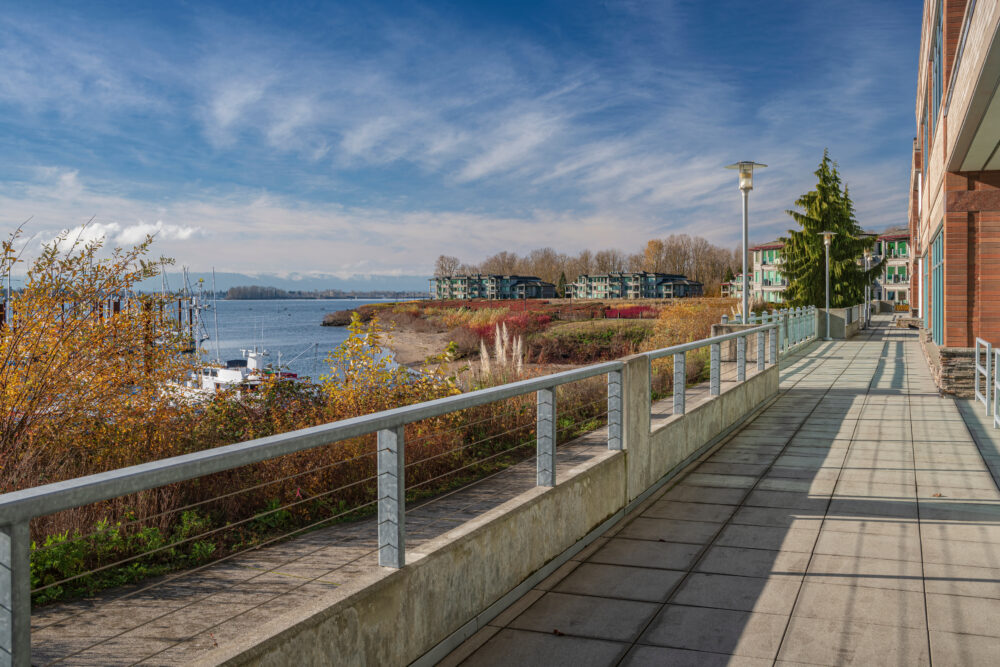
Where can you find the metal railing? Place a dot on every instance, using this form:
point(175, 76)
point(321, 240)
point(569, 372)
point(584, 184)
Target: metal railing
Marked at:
point(776, 333)
point(984, 369)
point(795, 325)
point(996, 390)
point(679, 355)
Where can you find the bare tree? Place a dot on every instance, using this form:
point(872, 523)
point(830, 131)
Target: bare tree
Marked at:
point(609, 261)
point(446, 265)
point(502, 263)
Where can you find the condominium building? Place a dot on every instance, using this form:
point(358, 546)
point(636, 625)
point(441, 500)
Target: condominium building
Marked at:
point(954, 210)
point(490, 286)
point(635, 285)
point(893, 253)
point(767, 283)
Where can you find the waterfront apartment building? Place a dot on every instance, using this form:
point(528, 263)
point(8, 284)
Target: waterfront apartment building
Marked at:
point(767, 284)
point(490, 286)
point(634, 285)
point(954, 208)
point(893, 252)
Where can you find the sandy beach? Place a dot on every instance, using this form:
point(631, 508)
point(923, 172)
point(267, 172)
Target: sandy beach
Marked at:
point(411, 348)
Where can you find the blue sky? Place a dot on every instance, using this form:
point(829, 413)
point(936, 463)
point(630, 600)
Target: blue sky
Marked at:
point(367, 138)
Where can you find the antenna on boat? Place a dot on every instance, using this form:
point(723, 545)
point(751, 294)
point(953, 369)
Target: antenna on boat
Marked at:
point(215, 311)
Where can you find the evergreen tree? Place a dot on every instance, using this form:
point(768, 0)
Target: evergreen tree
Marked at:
point(561, 287)
point(827, 208)
point(728, 278)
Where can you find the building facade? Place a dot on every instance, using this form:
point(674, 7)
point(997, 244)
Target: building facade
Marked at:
point(893, 252)
point(767, 284)
point(954, 209)
point(490, 286)
point(634, 285)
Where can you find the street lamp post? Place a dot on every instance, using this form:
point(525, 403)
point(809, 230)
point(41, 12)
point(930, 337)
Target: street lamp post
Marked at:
point(827, 237)
point(868, 301)
point(746, 168)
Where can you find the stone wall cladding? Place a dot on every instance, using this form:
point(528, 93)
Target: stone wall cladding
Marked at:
point(953, 368)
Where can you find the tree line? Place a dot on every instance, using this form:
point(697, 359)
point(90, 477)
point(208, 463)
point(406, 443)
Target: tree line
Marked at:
point(692, 256)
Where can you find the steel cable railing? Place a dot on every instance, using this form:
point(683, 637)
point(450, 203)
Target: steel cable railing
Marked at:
point(761, 344)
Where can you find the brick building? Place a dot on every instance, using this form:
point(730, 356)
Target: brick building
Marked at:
point(954, 211)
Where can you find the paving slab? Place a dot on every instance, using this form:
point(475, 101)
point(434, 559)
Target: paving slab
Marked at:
point(586, 616)
point(618, 581)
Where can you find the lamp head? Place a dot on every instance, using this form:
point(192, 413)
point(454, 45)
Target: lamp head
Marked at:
point(827, 237)
point(746, 168)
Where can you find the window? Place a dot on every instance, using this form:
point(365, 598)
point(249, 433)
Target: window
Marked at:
point(937, 279)
point(923, 156)
point(923, 289)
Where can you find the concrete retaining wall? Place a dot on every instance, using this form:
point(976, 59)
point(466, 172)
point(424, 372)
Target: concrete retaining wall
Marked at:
point(452, 585)
point(844, 322)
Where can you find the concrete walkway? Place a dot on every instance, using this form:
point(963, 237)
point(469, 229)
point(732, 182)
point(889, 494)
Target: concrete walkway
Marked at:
point(854, 521)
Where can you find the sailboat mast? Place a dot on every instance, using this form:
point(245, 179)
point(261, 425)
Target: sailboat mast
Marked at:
point(215, 312)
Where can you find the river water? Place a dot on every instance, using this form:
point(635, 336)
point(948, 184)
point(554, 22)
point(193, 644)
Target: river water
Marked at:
point(289, 326)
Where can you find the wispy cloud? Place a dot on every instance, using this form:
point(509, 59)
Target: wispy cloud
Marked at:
point(377, 138)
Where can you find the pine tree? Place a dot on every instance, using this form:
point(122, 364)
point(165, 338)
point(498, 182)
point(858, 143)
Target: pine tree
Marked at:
point(561, 287)
point(730, 276)
point(827, 208)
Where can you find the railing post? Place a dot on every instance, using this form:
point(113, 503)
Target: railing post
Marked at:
point(615, 410)
point(772, 338)
point(983, 369)
point(15, 595)
point(741, 358)
point(714, 370)
point(781, 330)
point(996, 389)
point(680, 382)
point(725, 319)
point(760, 349)
point(391, 498)
point(989, 376)
point(545, 435)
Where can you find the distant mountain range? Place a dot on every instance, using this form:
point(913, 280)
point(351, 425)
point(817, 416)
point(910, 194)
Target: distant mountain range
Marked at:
point(295, 282)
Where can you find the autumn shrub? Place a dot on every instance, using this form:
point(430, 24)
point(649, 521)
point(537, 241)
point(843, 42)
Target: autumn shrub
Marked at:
point(630, 312)
point(587, 342)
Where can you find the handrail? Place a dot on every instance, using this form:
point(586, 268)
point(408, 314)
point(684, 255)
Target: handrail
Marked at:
point(687, 347)
point(986, 371)
point(50, 498)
